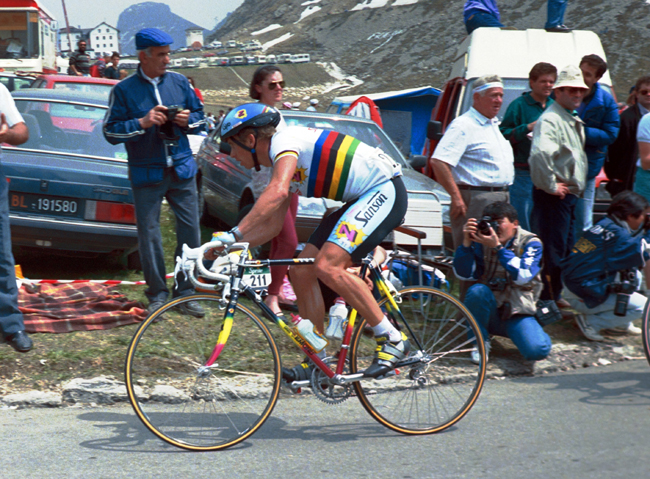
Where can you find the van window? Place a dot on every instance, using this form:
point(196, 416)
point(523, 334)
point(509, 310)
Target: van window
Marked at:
point(512, 88)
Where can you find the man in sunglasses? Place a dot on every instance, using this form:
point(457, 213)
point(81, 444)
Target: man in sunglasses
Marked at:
point(558, 169)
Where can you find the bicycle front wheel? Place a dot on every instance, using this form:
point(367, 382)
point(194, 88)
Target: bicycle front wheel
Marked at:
point(646, 330)
point(195, 407)
point(432, 395)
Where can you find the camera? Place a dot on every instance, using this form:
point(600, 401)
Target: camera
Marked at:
point(485, 224)
point(166, 131)
point(623, 289)
point(497, 284)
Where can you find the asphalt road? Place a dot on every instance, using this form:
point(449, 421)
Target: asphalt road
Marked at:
point(590, 423)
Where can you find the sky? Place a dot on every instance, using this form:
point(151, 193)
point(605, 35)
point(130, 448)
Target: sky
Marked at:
point(90, 13)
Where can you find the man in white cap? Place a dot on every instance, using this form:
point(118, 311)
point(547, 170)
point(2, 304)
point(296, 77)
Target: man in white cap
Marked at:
point(313, 103)
point(473, 161)
point(558, 169)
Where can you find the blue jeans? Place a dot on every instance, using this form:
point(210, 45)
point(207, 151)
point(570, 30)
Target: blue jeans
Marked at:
point(521, 197)
point(481, 19)
point(11, 319)
point(585, 210)
point(555, 13)
point(182, 198)
point(552, 221)
point(523, 330)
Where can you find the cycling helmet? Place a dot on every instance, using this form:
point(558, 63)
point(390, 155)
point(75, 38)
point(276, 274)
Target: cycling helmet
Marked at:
point(248, 115)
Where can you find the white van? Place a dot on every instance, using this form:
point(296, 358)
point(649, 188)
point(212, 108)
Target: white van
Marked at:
point(231, 44)
point(300, 58)
point(284, 58)
point(238, 60)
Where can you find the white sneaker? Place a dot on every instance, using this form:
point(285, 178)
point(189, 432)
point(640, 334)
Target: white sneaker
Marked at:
point(475, 357)
point(631, 329)
point(589, 332)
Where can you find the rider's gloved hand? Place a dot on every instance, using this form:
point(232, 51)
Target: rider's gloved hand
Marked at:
point(224, 237)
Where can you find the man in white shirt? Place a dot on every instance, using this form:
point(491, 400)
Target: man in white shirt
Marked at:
point(473, 161)
point(14, 132)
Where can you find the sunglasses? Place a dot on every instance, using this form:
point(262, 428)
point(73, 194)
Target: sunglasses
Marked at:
point(274, 84)
point(644, 92)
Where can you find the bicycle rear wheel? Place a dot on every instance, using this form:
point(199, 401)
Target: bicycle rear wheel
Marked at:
point(430, 396)
point(645, 325)
point(202, 409)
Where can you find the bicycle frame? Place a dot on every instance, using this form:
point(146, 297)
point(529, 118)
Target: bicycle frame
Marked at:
point(237, 287)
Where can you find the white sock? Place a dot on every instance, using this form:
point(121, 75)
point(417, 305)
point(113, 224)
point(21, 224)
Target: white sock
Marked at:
point(386, 327)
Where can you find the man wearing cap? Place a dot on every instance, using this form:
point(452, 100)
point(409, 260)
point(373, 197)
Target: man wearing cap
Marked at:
point(152, 112)
point(313, 103)
point(558, 169)
point(473, 161)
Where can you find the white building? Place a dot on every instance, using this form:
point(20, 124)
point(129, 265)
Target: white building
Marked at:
point(193, 35)
point(104, 38)
point(76, 34)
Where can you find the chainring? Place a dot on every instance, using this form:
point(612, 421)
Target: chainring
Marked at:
point(324, 390)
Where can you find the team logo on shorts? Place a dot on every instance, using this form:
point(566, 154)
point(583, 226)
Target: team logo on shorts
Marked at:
point(352, 234)
point(299, 176)
point(241, 114)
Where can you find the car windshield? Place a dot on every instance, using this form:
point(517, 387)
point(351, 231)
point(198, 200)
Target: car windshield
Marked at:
point(67, 127)
point(367, 132)
point(103, 89)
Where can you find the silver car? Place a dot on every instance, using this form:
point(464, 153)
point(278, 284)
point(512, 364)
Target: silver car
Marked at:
point(226, 192)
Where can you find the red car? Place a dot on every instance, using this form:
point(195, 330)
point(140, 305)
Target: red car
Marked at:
point(83, 84)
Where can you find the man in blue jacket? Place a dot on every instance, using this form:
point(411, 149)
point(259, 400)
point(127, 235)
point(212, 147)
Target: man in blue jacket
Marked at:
point(599, 112)
point(152, 113)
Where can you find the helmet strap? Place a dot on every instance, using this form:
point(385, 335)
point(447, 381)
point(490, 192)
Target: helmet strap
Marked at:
point(253, 151)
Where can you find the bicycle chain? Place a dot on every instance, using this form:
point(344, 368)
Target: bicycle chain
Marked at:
point(326, 392)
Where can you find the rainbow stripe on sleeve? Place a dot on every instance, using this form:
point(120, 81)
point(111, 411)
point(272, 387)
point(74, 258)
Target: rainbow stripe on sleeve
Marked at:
point(330, 165)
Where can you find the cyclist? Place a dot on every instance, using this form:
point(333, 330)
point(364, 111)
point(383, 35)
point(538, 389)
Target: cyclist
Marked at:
point(322, 163)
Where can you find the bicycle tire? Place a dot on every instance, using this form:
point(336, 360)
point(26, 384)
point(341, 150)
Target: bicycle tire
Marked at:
point(202, 410)
point(424, 398)
point(645, 325)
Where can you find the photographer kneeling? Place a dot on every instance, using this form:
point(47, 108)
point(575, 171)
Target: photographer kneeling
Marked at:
point(601, 271)
point(505, 259)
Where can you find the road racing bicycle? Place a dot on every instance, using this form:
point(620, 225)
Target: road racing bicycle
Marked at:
point(209, 383)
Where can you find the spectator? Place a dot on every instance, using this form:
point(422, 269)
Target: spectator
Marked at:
point(210, 120)
point(267, 86)
point(506, 262)
point(286, 105)
point(517, 125)
point(219, 119)
point(555, 16)
point(481, 13)
point(599, 112)
point(623, 154)
point(98, 68)
point(295, 105)
point(558, 169)
point(196, 90)
point(112, 70)
point(160, 160)
point(13, 132)
point(79, 63)
point(313, 103)
point(617, 243)
point(473, 161)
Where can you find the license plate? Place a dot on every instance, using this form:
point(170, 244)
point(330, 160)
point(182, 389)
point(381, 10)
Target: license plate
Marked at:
point(258, 278)
point(52, 205)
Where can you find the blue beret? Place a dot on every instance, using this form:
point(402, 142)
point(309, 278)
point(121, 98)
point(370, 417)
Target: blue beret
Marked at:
point(152, 37)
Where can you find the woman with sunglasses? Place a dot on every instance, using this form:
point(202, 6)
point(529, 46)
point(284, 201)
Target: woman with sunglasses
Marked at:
point(267, 87)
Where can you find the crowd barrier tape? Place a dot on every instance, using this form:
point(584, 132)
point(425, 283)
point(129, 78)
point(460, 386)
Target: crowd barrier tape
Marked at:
point(111, 282)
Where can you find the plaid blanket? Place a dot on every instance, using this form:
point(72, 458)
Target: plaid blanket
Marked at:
point(62, 308)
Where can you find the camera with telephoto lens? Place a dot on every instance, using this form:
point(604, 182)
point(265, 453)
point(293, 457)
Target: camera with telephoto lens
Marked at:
point(484, 225)
point(166, 132)
point(623, 289)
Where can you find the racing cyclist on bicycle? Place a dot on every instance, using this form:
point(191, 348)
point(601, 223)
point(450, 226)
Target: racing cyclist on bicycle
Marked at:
point(322, 163)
